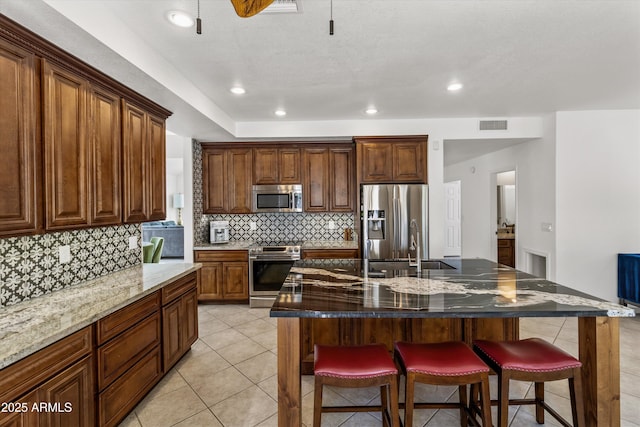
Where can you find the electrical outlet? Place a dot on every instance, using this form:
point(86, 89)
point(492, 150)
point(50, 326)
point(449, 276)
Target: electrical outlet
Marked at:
point(65, 254)
point(253, 226)
point(331, 225)
point(133, 242)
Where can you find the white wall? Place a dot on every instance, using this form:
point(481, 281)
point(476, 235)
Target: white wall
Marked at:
point(598, 196)
point(533, 162)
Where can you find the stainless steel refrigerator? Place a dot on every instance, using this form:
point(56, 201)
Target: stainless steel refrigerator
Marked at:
point(395, 220)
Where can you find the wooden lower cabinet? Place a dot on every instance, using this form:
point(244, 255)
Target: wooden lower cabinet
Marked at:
point(180, 327)
point(60, 377)
point(507, 252)
point(224, 275)
point(387, 331)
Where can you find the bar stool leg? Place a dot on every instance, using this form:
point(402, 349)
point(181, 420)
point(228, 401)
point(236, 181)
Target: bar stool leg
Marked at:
point(408, 399)
point(486, 401)
point(577, 403)
point(317, 403)
point(462, 395)
point(383, 404)
point(539, 390)
point(393, 391)
point(503, 399)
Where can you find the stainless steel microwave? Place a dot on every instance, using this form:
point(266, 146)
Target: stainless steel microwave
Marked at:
point(276, 198)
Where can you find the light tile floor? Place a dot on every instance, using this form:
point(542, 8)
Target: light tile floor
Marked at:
point(229, 379)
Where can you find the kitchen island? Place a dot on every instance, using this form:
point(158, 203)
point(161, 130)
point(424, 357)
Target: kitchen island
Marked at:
point(468, 299)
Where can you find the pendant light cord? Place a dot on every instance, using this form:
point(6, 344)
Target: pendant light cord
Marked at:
point(331, 19)
point(198, 21)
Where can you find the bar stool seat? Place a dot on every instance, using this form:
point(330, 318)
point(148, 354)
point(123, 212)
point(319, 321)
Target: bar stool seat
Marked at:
point(353, 367)
point(535, 360)
point(447, 363)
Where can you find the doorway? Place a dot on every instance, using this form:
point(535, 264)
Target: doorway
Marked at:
point(452, 215)
point(505, 218)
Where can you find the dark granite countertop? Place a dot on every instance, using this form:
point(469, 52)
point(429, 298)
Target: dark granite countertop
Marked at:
point(469, 288)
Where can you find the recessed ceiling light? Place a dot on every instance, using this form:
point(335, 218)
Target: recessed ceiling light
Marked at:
point(454, 87)
point(180, 18)
point(238, 90)
point(280, 113)
point(371, 110)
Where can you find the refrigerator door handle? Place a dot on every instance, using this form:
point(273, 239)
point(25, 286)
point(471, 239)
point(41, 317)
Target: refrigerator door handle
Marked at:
point(396, 228)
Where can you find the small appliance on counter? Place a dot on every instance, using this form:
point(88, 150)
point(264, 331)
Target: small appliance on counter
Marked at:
point(218, 232)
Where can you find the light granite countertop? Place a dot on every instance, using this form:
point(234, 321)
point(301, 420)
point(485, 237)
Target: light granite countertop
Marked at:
point(34, 324)
point(506, 236)
point(247, 244)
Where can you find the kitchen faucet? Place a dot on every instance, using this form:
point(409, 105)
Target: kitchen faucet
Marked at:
point(415, 246)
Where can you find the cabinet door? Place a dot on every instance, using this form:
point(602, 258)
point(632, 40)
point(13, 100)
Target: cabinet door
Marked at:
point(316, 179)
point(289, 166)
point(210, 286)
point(341, 179)
point(239, 179)
point(236, 280)
point(134, 161)
point(265, 162)
point(375, 162)
point(19, 171)
point(73, 390)
point(66, 148)
point(190, 319)
point(157, 168)
point(409, 163)
point(214, 198)
point(172, 333)
point(25, 417)
point(105, 157)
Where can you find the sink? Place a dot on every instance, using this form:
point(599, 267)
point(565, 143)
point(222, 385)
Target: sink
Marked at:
point(404, 265)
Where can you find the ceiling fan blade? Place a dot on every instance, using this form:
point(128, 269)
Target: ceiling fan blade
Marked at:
point(247, 8)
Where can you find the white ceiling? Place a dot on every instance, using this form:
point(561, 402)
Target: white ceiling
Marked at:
point(515, 58)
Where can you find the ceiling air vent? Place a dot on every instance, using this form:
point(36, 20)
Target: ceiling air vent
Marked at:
point(284, 6)
point(493, 125)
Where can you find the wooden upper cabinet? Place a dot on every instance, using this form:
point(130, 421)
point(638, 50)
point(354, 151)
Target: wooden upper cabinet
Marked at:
point(316, 179)
point(134, 164)
point(66, 148)
point(144, 164)
point(20, 208)
point(289, 166)
point(213, 181)
point(106, 155)
point(265, 165)
point(157, 168)
point(392, 159)
point(375, 161)
point(239, 178)
point(276, 165)
point(341, 179)
point(226, 180)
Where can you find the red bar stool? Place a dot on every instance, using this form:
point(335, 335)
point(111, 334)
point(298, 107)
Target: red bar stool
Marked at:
point(356, 366)
point(447, 363)
point(533, 360)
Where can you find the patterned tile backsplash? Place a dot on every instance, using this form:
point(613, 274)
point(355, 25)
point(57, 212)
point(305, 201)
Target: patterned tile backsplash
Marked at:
point(275, 227)
point(30, 267)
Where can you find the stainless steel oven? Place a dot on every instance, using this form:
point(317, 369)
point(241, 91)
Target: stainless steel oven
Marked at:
point(268, 269)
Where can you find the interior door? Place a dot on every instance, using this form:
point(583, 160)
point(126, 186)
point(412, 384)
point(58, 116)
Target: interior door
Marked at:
point(453, 225)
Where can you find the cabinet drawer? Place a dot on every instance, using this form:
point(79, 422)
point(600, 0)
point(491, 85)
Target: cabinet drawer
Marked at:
point(123, 319)
point(121, 353)
point(505, 243)
point(120, 397)
point(221, 256)
point(178, 288)
point(329, 253)
point(24, 375)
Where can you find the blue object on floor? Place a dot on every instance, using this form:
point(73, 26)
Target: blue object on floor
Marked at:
point(629, 278)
